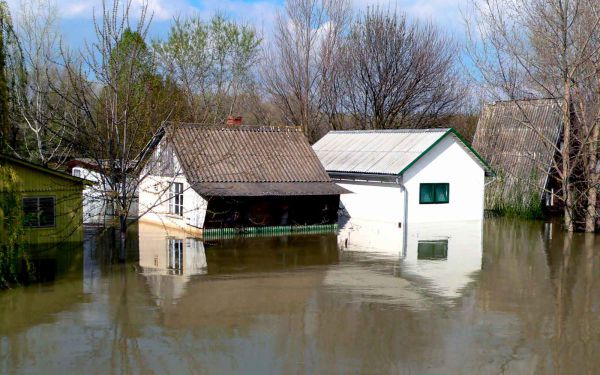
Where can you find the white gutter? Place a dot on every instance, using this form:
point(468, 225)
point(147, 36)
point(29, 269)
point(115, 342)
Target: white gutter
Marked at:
point(405, 219)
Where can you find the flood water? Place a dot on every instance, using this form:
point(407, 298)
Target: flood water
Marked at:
point(502, 296)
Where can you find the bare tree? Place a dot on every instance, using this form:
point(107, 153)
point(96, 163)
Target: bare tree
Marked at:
point(548, 48)
point(400, 74)
point(118, 104)
point(43, 138)
point(301, 68)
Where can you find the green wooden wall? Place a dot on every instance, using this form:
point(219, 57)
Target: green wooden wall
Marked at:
point(37, 181)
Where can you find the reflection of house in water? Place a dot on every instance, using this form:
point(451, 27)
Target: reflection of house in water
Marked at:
point(438, 259)
point(169, 258)
point(172, 262)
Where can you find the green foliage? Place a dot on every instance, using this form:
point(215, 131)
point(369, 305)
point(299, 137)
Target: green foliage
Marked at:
point(514, 199)
point(211, 62)
point(11, 216)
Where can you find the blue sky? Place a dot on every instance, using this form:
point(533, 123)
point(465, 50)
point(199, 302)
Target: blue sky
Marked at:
point(77, 25)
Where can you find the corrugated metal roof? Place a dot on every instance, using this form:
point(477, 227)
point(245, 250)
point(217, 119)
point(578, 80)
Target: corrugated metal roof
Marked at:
point(375, 151)
point(510, 135)
point(222, 156)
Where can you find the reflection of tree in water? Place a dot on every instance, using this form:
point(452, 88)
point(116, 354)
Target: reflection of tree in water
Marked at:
point(549, 285)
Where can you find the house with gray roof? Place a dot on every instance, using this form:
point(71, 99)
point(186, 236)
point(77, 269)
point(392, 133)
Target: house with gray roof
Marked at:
point(521, 139)
point(405, 176)
point(237, 177)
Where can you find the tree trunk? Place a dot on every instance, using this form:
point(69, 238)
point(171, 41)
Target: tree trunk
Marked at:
point(590, 220)
point(123, 238)
point(567, 188)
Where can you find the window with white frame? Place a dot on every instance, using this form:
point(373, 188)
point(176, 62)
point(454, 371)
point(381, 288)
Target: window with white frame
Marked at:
point(176, 199)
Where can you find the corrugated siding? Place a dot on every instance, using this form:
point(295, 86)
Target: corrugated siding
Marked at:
point(381, 152)
point(510, 136)
point(245, 154)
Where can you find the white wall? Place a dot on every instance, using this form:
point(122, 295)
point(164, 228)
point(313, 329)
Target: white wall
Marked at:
point(373, 202)
point(154, 201)
point(447, 162)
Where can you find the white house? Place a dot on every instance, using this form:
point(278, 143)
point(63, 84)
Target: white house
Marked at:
point(406, 175)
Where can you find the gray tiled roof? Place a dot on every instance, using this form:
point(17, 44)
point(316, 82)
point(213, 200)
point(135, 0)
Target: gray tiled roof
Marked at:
point(249, 160)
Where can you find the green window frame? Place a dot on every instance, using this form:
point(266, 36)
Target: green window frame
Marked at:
point(39, 212)
point(434, 193)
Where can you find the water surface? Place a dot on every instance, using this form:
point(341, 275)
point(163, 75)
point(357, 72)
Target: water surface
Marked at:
point(502, 296)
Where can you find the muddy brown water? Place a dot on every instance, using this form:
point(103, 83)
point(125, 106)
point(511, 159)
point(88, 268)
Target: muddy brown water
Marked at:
point(504, 296)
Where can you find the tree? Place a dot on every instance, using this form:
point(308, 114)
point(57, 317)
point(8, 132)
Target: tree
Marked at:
point(43, 138)
point(118, 104)
point(212, 63)
point(12, 78)
point(548, 48)
point(300, 71)
point(399, 74)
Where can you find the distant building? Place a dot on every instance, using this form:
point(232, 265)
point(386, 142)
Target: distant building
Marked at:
point(52, 202)
point(520, 139)
point(98, 207)
point(237, 177)
point(405, 175)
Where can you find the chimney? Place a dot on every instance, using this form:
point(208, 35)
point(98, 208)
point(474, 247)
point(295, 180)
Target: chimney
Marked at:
point(234, 120)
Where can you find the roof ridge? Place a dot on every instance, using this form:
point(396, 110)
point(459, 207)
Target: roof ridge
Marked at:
point(262, 128)
point(383, 131)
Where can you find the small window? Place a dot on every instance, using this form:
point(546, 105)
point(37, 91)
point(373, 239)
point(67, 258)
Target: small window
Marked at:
point(77, 172)
point(39, 212)
point(176, 199)
point(432, 250)
point(434, 193)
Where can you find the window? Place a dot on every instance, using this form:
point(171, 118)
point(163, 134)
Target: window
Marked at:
point(39, 212)
point(175, 255)
point(432, 250)
point(176, 199)
point(77, 172)
point(434, 193)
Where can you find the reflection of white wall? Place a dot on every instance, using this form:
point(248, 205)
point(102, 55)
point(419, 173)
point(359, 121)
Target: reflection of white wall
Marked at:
point(155, 243)
point(446, 277)
point(154, 250)
point(447, 162)
point(442, 277)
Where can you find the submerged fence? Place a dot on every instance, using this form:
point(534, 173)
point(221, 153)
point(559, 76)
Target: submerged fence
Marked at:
point(214, 233)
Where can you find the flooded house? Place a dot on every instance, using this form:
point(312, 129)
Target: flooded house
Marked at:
point(237, 178)
point(520, 139)
point(51, 202)
point(405, 175)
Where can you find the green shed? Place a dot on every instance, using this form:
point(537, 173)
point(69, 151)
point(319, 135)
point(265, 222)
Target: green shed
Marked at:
point(52, 202)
